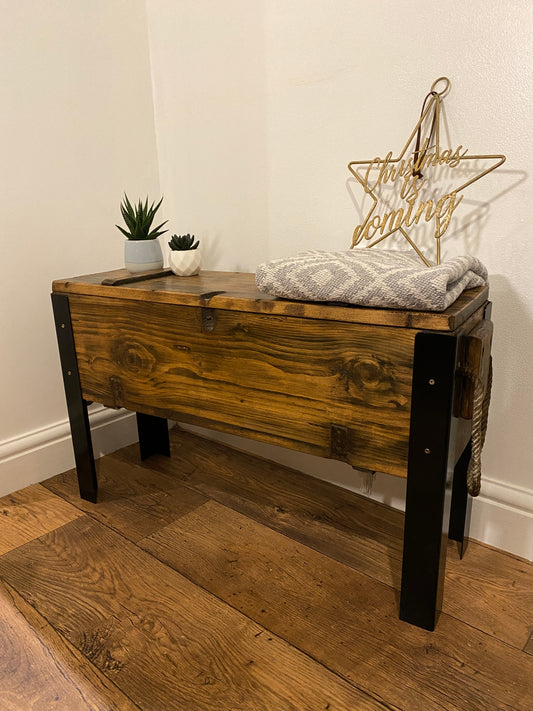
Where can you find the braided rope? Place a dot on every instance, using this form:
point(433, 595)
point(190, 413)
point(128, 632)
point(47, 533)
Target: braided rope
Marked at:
point(479, 430)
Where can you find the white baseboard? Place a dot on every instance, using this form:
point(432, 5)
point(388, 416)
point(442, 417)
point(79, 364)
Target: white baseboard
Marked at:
point(35, 456)
point(502, 516)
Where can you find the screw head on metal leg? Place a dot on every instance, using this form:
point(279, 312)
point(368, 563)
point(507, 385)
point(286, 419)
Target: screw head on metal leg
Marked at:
point(427, 450)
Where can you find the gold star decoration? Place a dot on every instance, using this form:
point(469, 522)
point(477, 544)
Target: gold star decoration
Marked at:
point(406, 173)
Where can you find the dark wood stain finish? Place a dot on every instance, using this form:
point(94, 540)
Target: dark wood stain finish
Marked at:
point(273, 591)
point(164, 641)
point(134, 501)
point(283, 381)
point(327, 379)
point(30, 513)
point(344, 619)
point(40, 669)
point(490, 590)
point(237, 291)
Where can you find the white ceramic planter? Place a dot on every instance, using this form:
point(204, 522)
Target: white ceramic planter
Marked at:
point(142, 255)
point(186, 262)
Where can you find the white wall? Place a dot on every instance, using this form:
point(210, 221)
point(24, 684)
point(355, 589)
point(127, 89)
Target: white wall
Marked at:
point(261, 104)
point(77, 129)
point(209, 78)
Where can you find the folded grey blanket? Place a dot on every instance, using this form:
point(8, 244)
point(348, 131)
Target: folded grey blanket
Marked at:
point(370, 277)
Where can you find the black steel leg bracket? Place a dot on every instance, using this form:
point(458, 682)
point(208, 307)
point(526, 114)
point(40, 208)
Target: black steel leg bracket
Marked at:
point(461, 504)
point(153, 435)
point(76, 405)
point(428, 478)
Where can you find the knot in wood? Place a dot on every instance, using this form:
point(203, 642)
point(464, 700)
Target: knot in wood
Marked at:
point(371, 380)
point(371, 374)
point(134, 357)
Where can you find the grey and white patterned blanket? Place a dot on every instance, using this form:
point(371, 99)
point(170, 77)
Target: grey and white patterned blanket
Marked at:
point(369, 277)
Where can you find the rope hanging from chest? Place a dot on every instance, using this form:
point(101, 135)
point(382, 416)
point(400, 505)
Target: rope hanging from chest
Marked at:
point(480, 416)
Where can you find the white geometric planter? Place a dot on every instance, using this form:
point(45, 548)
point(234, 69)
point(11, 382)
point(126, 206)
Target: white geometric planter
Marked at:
point(186, 262)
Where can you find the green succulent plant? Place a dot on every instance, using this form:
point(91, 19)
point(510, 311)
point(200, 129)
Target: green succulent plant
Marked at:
point(139, 218)
point(181, 243)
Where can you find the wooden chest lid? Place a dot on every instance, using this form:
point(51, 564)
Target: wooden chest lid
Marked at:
point(236, 291)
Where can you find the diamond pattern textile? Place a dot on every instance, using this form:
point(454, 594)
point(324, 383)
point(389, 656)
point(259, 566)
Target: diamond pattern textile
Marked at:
point(368, 277)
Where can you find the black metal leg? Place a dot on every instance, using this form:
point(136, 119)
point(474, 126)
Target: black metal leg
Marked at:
point(153, 435)
point(461, 505)
point(76, 405)
point(428, 496)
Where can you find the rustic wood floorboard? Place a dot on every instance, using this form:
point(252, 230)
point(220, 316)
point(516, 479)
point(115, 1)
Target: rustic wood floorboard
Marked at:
point(30, 512)
point(40, 670)
point(220, 581)
point(165, 642)
point(488, 589)
point(341, 617)
point(132, 500)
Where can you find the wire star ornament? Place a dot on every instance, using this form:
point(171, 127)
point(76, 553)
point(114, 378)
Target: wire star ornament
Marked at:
point(406, 173)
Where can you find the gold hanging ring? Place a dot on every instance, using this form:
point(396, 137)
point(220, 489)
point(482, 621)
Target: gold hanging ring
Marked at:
point(446, 88)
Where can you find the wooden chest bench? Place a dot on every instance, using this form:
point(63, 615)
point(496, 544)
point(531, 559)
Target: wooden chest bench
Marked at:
point(379, 389)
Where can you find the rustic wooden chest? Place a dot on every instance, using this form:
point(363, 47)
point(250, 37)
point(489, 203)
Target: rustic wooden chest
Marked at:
point(380, 389)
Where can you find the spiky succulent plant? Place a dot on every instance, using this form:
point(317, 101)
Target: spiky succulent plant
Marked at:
point(139, 218)
point(181, 243)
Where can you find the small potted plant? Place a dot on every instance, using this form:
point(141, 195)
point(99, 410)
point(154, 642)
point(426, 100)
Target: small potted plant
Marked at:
point(185, 256)
point(142, 251)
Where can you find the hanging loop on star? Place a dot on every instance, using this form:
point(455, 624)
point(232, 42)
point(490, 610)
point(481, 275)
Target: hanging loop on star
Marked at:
point(444, 90)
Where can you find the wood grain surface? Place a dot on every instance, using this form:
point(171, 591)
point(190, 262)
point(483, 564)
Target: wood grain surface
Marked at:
point(285, 599)
point(29, 513)
point(237, 291)
point(136, 619)
point(285, 381)
point(488, 589)
point(343, 619)
point(40, 670)
point(131, 500)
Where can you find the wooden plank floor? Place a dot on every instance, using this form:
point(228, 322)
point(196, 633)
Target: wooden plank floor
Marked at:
point(215, 580)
